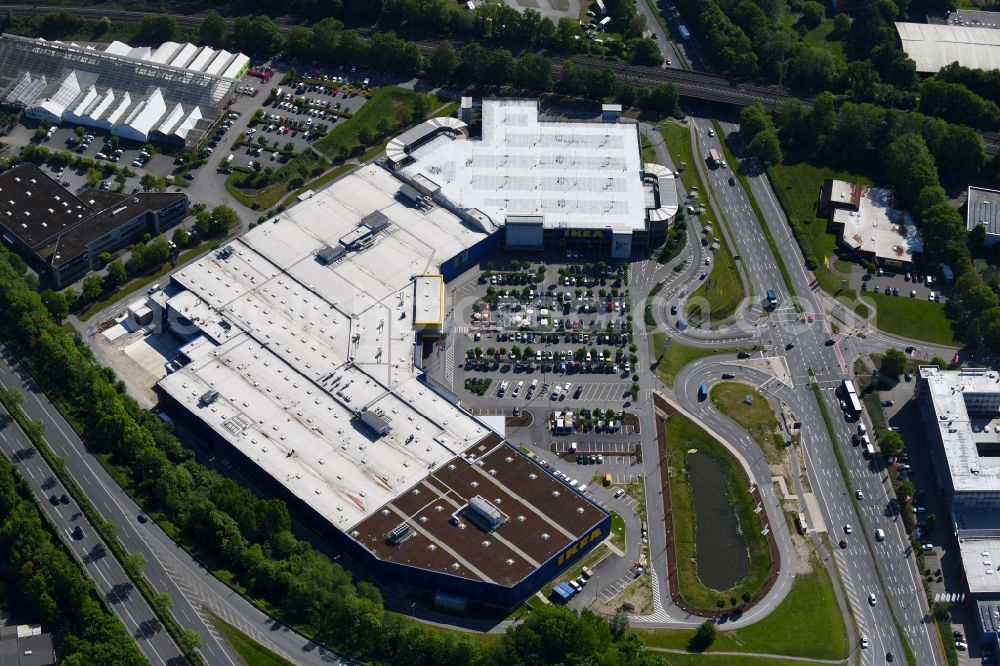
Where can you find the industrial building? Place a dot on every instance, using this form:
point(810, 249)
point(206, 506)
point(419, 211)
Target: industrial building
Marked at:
point(25, 644)
point(867, 223)
point(61, 234)
point(982, 206)
point(170, 94)
point(961, 412)
point(557, 184)
point(301, 362)
point(933, 45)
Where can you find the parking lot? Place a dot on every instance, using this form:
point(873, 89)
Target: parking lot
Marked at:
point(565, 337)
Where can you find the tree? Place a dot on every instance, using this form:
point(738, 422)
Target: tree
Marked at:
point(92, 287)
point(93, 176)
point(893, 363)
point(56, 303)
point(442, 63)
point(905, 490)
point(891, 443)
point(223, 218)
point(911, 167)
point(754, 119)
point(148, 182)
point(841, 23)
point(533, 72)
point(190, 640)
point(812, 14)
point(181, 237)
point(619, 625)
point(704, 637)
point(162, 602)
point(767, 147)
point(213, 29)
point(156, 29)
point(116, 275)
point(258, 34)
point(645, 52)
point(133, 563)
point(977, 237)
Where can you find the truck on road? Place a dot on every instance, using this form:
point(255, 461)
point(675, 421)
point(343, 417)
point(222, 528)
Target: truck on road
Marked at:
point(714, 157)
point(772, 298)
point(702, 392)
point(685, 34)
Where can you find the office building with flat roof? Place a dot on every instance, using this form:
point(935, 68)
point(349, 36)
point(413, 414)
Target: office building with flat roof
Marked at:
point(303, 364)
point(61, 234)
point(563, 184)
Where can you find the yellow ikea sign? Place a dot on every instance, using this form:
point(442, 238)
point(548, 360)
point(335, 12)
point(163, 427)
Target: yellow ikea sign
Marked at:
point(578, 546)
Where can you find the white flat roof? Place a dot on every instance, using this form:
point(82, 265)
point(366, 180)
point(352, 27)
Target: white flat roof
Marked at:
point(302, 432)
point(878, 228)
point(949, 391)
point(981, 562)
point(299, 346)
point(574, 174)
point(932, 46)
point(428, 304)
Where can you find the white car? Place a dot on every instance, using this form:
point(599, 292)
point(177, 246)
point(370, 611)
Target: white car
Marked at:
point(871, 599)
point(859, 495)
point(864, 642)
point(879, 535)
point(711, 132)
point(848, 529)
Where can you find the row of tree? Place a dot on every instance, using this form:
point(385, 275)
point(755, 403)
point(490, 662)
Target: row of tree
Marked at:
point(41, 578)
point(233, 529)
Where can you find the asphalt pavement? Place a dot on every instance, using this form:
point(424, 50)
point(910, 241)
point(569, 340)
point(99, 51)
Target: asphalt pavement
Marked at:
point(800, 335)
point(194, 589)
point(104, 569)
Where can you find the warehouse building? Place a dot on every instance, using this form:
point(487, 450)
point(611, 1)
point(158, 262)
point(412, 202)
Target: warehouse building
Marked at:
point(569, 185)
point(867, 223)
point(982, 206)
point(61, 234)
point(933, 46)
point(169, 94)
point(302, 365)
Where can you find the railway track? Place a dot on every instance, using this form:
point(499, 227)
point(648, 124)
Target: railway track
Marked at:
point(691, 84)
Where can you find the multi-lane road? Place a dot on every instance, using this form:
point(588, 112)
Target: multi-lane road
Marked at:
point(87, 546)
point(789, 333)
point(195, 590)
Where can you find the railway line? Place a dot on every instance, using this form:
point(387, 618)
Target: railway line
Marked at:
point(690, 84)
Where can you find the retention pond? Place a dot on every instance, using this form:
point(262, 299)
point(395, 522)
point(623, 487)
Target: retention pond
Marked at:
point(723, 560)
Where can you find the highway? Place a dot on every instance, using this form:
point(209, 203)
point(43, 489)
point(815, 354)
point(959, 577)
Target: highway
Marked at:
point(169, 568)
point(802, 344)
point(110, 579)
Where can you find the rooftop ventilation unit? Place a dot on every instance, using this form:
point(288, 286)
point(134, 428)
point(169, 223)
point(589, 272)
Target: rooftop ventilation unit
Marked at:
point(376, 421)
point(485, 514)
point(209, 397)
point(399, 534)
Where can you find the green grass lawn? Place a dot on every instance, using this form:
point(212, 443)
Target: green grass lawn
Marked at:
point(915, 318)
point(390, 108)
point(717, 298)
point(798, 187)
point(618, 530)
point(674, 356)
point(757, 419)
point(250, 651)
point(810, 609)
point(822, 37)
point(683, 436)
point(676, 659)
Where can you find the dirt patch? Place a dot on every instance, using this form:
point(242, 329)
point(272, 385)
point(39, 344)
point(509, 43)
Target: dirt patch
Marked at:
point(523, 420)
point(638, 595)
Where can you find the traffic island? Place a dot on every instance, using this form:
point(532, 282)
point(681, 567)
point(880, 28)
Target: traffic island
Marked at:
point(686, 588)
